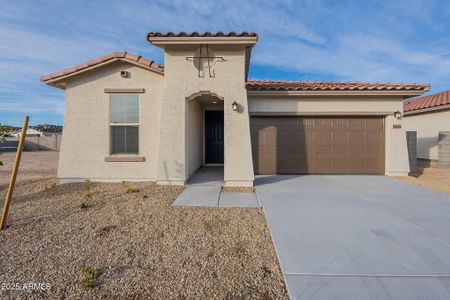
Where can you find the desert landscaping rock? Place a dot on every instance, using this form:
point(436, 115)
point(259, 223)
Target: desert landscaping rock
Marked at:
point(143, 247)
point(34, 166)
point(242, 189)
point(432, 178)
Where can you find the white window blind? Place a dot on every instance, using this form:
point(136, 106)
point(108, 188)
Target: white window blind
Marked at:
point(124, 123)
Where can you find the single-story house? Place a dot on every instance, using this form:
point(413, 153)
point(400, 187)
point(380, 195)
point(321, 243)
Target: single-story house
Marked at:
point(427, 115)
point(152, 122)
point(29, 133)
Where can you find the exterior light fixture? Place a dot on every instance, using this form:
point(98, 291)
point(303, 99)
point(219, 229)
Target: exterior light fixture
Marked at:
point(214, 102)
point(398, 114)
point(235, 106)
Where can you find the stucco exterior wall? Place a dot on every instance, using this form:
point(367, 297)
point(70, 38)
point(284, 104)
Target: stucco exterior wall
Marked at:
point(86, 137)
point(428, 126)
point(396, 152)
point(181, 82)
point(195, 136)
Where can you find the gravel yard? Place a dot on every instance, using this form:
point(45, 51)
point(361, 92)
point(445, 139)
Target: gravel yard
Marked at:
point(34, 165)
point(138, 245)
point(432, 178)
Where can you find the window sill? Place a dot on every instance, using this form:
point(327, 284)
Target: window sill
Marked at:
point(124, 158)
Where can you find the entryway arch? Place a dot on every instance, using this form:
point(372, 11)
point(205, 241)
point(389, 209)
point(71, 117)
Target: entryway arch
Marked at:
point(204, 131)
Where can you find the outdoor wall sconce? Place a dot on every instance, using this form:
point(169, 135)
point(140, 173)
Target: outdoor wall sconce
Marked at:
point(398, 114)
point(235, 106)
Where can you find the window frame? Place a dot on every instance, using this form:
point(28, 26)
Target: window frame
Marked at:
point(122, 124)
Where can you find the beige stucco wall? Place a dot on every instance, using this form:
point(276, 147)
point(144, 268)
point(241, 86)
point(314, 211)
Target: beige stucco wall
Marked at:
point(195, 136)
point(86, 137)
point(396, 152)
point(428, 126)
point(181, 82)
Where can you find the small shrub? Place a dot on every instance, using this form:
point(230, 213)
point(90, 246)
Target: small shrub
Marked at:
point(84, 205)
point(240, 248)
point(266, 271)
point(266, 296)
point(132, 190)
point(50, 187)
point(88, 194)
point(88, 184)
point(145, 196)
point(90, 276)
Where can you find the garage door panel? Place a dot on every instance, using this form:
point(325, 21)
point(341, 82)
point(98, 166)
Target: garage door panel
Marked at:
point(324, 166)
point(334, 145)
point(339, 137)
point(356, 122)
point(374, 123)
point(323, 137)
point(374, 138)
point(357, 138)
point(357, 151)
point(255, 122)
point(340, 151)
point(324, 151)
point(373, 167)
point(372, 152)
point(268, 137)
point(340, 166)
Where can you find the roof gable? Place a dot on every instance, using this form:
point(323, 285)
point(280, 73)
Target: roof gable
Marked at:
point(105, 59)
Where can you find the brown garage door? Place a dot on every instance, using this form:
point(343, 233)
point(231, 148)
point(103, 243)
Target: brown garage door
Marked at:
point(318, 145)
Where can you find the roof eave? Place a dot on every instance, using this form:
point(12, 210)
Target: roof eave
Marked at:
point(59, 81)
point(404, 93)
point(427, 110)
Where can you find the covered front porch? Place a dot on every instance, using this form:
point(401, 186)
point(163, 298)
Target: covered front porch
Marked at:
point(205, 133)
point(205, 188)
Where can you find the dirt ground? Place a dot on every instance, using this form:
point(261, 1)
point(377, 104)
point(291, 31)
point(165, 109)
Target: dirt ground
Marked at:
point(34, 165)
point(433, 178)
point(138, 245)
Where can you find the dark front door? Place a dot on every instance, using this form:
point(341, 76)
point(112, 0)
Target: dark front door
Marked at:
point(214, 137)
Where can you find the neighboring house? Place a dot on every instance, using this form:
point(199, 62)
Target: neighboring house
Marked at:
point(427, 115)
point(128, 118)
point(39, 137)
point(48, 129)
point(29, 133)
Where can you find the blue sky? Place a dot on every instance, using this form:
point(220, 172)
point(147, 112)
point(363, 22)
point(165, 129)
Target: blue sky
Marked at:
point(345, 40)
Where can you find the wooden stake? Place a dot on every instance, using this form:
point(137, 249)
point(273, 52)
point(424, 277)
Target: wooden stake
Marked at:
point(12, 181)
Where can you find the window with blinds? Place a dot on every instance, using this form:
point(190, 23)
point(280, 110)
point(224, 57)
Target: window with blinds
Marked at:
point(124, 123)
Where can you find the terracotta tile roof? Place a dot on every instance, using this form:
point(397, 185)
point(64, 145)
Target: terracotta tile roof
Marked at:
point(202, 34)
point(120, 55)
point(428, 101)
point(284, 85)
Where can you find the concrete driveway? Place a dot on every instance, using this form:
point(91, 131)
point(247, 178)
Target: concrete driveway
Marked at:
point(358, 237)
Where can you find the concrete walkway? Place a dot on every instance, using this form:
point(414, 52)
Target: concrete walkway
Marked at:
point(358, 237)
point(205, 189)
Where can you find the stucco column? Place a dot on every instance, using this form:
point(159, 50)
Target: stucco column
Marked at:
point(397, 161)
point(238, 164)
point(172, 150)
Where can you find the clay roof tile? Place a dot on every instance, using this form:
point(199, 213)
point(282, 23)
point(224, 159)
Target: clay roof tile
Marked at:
point(428, 101)
point(118, 55)
point(285, 85)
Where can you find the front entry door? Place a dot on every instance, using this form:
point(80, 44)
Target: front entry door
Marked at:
point(214, 137)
